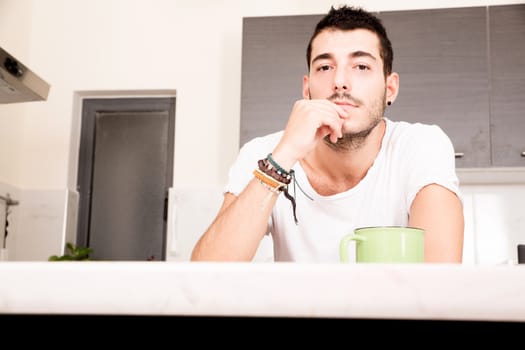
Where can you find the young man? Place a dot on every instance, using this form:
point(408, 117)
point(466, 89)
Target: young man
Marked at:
point(340, 164)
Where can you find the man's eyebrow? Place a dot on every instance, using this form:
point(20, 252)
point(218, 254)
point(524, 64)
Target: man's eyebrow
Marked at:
point(353, 54)
point(362, 54)
point(322, 56)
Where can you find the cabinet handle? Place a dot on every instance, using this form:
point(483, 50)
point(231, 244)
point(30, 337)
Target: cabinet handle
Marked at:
point(461, 154)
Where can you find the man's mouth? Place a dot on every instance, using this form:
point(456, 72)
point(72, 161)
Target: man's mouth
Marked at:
point(346, 105)
point(344, 99)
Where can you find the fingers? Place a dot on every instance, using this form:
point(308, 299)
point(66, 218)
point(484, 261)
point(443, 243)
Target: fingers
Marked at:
point(328, 114)
point(319, 118)
point(309, 123)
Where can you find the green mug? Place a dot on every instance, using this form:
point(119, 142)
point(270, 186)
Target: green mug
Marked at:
point(385, 244)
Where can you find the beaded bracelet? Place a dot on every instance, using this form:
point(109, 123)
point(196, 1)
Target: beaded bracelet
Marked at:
point(274, 176)
point(276, 165)
point(268, 169)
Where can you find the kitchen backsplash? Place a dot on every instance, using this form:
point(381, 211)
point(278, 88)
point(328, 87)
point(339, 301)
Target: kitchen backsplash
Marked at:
point(39, 224)
point(494, 223)
point(494, 202)
point(45, 219)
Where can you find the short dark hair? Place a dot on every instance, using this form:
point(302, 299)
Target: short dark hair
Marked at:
point(349, 18)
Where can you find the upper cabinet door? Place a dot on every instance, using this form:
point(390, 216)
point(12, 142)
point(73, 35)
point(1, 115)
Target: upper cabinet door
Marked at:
point(273, 66)
point(460, 68)
point(441, 57)
point(507, 105)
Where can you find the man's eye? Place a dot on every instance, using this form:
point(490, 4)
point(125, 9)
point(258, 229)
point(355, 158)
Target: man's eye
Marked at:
point(362, 67)
point(324, 68)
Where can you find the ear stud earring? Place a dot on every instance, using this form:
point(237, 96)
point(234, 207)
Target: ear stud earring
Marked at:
point(389, 103)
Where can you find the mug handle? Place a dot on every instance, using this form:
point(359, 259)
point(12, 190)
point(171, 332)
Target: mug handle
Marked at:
point(343, 245)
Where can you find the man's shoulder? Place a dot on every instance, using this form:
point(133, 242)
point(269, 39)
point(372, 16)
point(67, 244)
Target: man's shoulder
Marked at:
point(414, 129)
point(264, 141)
point(418, 137)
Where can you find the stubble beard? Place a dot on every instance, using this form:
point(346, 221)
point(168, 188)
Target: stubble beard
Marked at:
point(354, 140)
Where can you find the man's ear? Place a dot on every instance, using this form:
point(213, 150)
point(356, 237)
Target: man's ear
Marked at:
point(392, 87)
point(306, 88)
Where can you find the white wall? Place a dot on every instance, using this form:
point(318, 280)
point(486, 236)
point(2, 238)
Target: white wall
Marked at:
point(193, 47)
point(15, 31)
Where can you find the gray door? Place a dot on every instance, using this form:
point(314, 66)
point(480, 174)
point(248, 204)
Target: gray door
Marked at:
point(126, 170)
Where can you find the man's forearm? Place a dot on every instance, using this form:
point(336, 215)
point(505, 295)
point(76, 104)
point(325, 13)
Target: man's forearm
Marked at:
point(237, 230)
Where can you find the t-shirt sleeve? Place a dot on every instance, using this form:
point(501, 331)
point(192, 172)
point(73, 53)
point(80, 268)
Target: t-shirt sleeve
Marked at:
point(431, 155)
point(241, 171)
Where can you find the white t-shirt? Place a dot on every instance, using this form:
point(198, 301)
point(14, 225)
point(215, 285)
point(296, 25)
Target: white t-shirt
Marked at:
point(411, 157)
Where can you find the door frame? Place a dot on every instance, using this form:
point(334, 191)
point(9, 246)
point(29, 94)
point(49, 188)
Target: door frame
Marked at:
point(89, 105)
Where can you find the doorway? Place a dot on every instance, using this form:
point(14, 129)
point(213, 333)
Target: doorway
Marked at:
point(124, 172)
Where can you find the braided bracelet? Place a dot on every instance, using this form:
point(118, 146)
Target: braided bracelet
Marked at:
point(273, 176)
point(269, 170)
point(276, 165)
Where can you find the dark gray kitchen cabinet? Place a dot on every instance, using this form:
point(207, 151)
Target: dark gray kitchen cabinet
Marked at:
point(441, 58)
point(460, 68)
point(273, 66)
point(507, 79)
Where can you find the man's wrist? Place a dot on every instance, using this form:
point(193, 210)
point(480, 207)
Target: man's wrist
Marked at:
point(282, 160)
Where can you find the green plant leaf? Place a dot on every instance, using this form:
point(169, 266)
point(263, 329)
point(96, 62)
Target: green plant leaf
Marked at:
point(75, 253)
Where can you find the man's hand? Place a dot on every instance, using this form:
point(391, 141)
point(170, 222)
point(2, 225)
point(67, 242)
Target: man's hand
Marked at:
point(309, 122)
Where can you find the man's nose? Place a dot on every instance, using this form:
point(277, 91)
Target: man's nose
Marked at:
point(340, 81)
point(340, 87)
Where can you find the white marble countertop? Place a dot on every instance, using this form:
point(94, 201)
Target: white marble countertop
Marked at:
point(372, 291)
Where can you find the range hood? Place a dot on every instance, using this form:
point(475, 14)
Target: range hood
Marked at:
point(18, 83)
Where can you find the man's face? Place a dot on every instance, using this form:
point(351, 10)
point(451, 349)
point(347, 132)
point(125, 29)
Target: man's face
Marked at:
point(347, 69)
